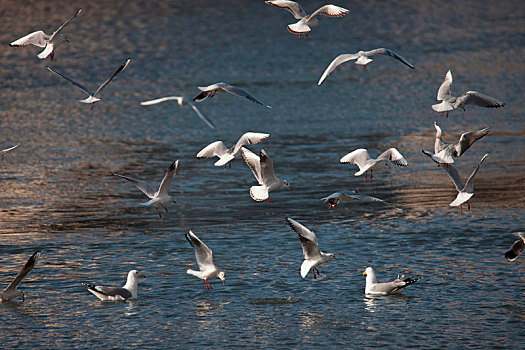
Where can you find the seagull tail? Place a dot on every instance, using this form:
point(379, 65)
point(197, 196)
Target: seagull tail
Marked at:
point(259, 193)
point(442, 107)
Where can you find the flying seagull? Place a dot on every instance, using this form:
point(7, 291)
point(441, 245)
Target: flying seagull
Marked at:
point(345, 196)
point(211, 90)
point(11, 292)
point(516, 248)
point(4, 151)
point(127, 292)
point(362, 159)
point(468, 98)
point(41, 39)
point(204, 256)
point(226, 155)
point(161, 196)
point(385, 288)
point(262, 168)
point(303, 26)
point(92, 98)
point(313, 256)
point(182, 101)
point(363, 58)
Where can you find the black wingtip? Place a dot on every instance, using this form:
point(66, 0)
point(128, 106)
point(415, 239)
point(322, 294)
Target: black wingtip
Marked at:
point(187, 235)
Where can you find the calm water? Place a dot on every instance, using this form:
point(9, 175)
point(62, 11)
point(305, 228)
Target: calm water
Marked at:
point(57, 193)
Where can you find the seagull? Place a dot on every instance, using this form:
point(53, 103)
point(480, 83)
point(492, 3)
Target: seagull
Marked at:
point(363, 58)
point(226, 155)
point(385, 288)
point(313, 257)
point(182, 101)
point(307, 21)
point(11, 292)
point(516, 248)
point(345, 196)
point(204, 256)
point(161, 196)
point(211, 90)
point(362, 158)
point(4, 151)
point(470, 97)
point(127, 292)
point(262, 168)
point(91, 99)
point(41, 39)
point(444, 153)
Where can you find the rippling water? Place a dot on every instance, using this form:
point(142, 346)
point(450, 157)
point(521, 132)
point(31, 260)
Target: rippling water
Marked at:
point(57, 193)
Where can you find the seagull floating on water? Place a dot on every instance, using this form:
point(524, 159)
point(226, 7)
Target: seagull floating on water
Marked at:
point(303, 26)
point(262, 168)
point(204, 256)
point(363, 58)
point(444, 153)
point(345, 196)
point(516, 248)
point(211, 90)
point(226, 155)
point(182, 101)
point(4, 151)
point(41, 39)
point(91, 99)
point(385, 288)
point(362, 159)
point(313, 256)
point(161, 196)
point(11, 291)
point(468, 98)
point(127, 292)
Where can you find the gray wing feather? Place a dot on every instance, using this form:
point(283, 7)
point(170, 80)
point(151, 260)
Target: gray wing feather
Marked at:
point(469, 185)
point(444, 89)
point(112, 291)
point(63, 25)
point(117, 72)
point(240, 92)
point(467, 139)
point(267, 170)
point(203, 118)
point(335, 63)
point(454, 176)
point(203, 254)
point(254, 162)
point(25, 270)
point(141, 185)
point(170, 173)
point(82, 87)
point(479, 99)
point(307, 238)
point(295, 9)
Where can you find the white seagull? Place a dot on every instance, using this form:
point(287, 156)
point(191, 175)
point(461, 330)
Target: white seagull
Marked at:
point(11, 292)
point(182, 101)
point(4, 151)
point(303, 26)
point(204, 256)
point(385, 288)
point(345, 196)
point(262, 168)
point(92, 98)
point(470, 97)
point(226, 155)
point(211, 90)
point(161, 196)
point(362, 159)
point(363, 58)
point(313, 256)
point(516, 248)
point(444, 153)
point(41, 39)
point(127, 292)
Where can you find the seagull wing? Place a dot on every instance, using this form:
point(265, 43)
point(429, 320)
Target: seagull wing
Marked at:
point(267, 170)
point(469, 185)
point(165, 183)
point(249, 138)
point(515, 250)
point(336, 62)
point(479, 99)
point(111, 291)
point(330, 11)
point(444, 89)
point(383, 51)
point(394, 156)
point(63, 25)
point(24, 271)
point(307, 238)
point(295, 9)
point(141, 185)
point(203, 254)
point(38, 38)
point(467, 139)
point(454, 176)
point(10, 148)
point(349, 195)
point(82, 87)
point(160, 100)
point(117, 72)
point(254, 162)
point(240, 92)
point(359, 156)
point(203, 118)
point(394, 286)
point(216, 148)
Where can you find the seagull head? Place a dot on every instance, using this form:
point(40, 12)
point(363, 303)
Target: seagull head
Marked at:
point(286, 184)
point(222, 276)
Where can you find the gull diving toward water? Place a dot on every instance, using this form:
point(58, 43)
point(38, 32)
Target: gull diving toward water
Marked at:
point(444, 153)
point(226, 155)
point(363, 58)
point(345, 196)
point(4, 151)
point(211, 90)
point(161, 196)
point(516, 248)
point(127, 292)
point(362, 159)
point(41, 39)
point(182, 101)
point(91, 99)
point(303, 26)
point(262, 168)
point(468, 98)
point(313, 256)
point(11, 292)
point(385, 288)
point(204, 256)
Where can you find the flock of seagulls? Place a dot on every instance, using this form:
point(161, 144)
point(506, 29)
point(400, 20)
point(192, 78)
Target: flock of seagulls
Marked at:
point(262, 165)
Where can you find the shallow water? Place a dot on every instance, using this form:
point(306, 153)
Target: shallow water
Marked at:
point(57, 193)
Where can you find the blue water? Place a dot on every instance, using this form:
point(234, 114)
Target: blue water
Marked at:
point(57, 193)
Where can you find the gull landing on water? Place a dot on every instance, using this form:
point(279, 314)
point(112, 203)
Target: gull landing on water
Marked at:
point(362, 159)
point(470, 97)
point(159, 197)
point(226, 155)
point(363, 58)
point(204, 256)
point(11, 291)
point(303, 26)
point(41, 39)
point(211, 90)
point(127, 292)
point(385, 288)
point(313, 256)
point(91, 99)
point(516, 248)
